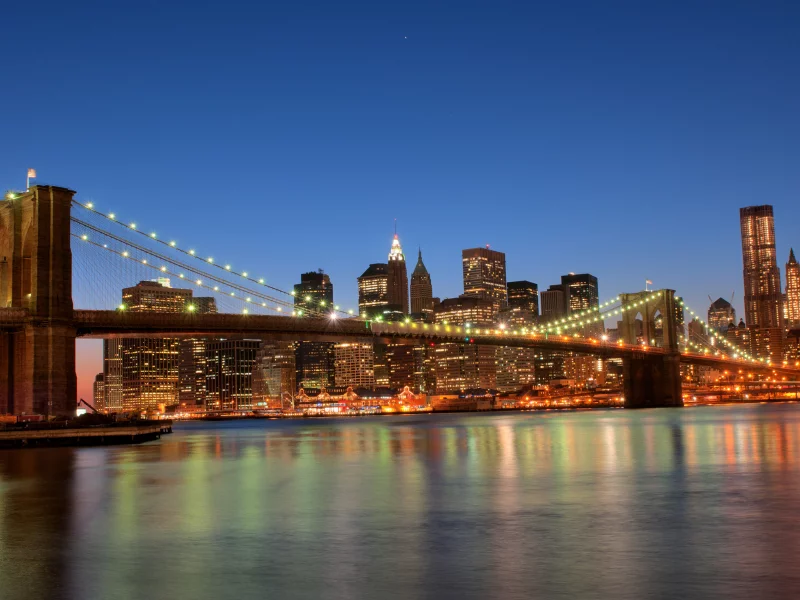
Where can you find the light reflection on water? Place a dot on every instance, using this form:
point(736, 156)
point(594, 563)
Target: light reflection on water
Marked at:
point(632, 504)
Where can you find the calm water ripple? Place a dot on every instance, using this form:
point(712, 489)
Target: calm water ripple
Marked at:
point(669, 503)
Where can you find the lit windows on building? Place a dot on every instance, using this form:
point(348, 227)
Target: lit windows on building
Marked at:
point(373, 290)
point(484, 272)
point(354, 365)
point(229, 373)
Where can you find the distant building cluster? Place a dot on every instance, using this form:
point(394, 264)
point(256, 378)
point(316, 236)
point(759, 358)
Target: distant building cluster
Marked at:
point(245, 374)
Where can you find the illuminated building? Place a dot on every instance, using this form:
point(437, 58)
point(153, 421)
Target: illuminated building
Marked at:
point(484, 273)
point(192, 361)
point(421, 292)
point(462, 366)
point(515, 368)
point(763, 298)
point(150, 365)
point(99, 392)
point(229, 373)
point(314, 360)
point(553, 303)
point(792, 347)
point(373, 290)
point(112, 373)
point(274, 381)
point(397, 280)
point(792, 291)
point(523, 296)
point(581, 293)
point(720, 315)
point(354, 364)
point(739, 336)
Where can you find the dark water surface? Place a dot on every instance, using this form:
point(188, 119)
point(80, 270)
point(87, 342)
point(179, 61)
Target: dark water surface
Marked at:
point(670, 503)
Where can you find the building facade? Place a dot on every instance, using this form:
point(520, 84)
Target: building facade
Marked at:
point(99, 392)
point(314, 360)
point(373, 291)
point(229, 373)
point(792, 292)
point(763, 296)
point(397, 280)
point(355, 365)
point(274, 382)
point(484, 272)
point(421, 292)
point(720, 315)
point(553, 303)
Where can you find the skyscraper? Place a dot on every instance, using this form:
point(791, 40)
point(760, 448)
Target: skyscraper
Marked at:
point(485, 275)
point(421, 292)
point(792, 291)
point(314, 360)
point(524, 295)
point(397, 280)
point(99, 392)
point(373, 290)
point(192, 361)
point(229, 373)
point(150, 365)
point(355, 364)
point(553, 303)
point(721, 314)
point(274, 381)
point(763, 298)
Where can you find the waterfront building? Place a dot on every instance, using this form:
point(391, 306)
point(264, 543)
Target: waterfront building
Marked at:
point(421, 292)
point(763, 298)
point(314, 360)
point(515, 368)
point(720, 315)
point(792, 291)
point(484, 272)
point(229, 373)
point(98, 392)
point(150, 366)
point(397, 279)
point(373, 290)
point(355, 365)
point(274, 382)
point(192, 361)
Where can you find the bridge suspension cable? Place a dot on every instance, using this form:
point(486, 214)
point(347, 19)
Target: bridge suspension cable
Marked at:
point(209, 262)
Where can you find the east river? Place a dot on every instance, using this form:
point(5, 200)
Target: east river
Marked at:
point(670, 503)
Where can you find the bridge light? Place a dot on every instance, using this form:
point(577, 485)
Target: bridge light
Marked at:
point(190, 308)
point(173, 244)
point(336, 307)
point(210, 260)
point(300, 312)
point(125, 254)
point(232, 294)
point(121, 307)
point(133, 225)
point(163, 269)
point(322, 302)
point(292, 293)
point(248, 299)
point(105, 245)
point(111, 216)
point(181, 275)
point(89, 205)
point(350, 311)
point(191, 252)
point(227, 267)
point(199, 282)
point(216, 288)
point(153, 235)
point(84, 237)
point(279, 309)
point(244, 274)
point(261, 281)
point(264, 304)
point(244, 311)
point(144, 261)
point(332, 316)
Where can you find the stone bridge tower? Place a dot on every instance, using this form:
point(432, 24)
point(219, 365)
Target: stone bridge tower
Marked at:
point(652, 380)
point(37, 361)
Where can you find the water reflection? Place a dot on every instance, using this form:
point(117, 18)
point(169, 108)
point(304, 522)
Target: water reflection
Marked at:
point(691, 502)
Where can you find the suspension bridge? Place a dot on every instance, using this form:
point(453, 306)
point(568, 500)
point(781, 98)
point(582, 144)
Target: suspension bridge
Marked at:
point(52, 245)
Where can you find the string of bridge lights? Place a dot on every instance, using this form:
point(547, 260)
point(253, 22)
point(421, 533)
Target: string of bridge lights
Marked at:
point(210, 261)
point(714, 335)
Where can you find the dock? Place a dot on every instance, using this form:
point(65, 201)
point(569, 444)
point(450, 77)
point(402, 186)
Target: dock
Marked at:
point(84, 436)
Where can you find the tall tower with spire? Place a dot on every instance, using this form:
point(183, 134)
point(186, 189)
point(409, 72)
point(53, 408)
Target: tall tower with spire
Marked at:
point(792, 291)
point(398, 277)
point(421, 292)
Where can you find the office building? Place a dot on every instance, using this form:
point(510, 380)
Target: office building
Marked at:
point(192, 361)
point(720, 315)
point(792, 291)
point(373, 291)
point(99, 392)
point(397, 279)
point(553, 303)
point(763, 296)
point(354, 365)
point(421, 292)
point(484, 272)
point(229, 373)
point(112, 374)
point(274, 382)
point(523, 297)
point(150, 366)
point(314, 360)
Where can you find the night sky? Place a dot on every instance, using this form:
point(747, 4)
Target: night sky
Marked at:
point(618, 139)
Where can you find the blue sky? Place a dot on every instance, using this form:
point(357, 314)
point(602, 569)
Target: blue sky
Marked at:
point(617, 138)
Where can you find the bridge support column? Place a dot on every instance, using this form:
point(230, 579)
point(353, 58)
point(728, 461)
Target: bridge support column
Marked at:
point(652, 380)
point(37, 360)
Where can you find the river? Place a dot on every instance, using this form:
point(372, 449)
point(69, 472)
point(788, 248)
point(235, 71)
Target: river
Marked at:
point(667, 503)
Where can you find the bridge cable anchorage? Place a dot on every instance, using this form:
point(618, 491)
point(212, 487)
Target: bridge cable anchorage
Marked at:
point(111, 217)
point(280, 304)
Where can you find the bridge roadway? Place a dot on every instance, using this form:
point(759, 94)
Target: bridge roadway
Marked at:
point(109, 324)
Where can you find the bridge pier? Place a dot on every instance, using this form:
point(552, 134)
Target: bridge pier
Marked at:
point(37, 360)
point(652, 380)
